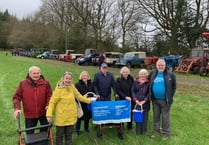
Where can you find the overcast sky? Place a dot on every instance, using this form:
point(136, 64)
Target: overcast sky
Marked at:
point(20, 8)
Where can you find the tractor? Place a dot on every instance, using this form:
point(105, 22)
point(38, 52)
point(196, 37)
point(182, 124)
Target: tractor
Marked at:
point(197, 62)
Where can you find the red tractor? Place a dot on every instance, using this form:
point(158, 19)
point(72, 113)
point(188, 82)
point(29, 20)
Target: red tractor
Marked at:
point(198, 62)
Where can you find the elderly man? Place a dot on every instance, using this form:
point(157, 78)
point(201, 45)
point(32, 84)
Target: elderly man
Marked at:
point(162, 90)
point(34, 92)
point(103, 82)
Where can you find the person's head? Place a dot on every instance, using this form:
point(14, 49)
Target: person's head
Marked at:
point(104, 68)
point(34, 73)
point(67, 78)
point(84, 76)
point(160, 65)
point(143, 75)
point(124, 71)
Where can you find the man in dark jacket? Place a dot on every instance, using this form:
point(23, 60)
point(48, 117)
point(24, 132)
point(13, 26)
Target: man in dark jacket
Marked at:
point(35, 93)
point(103, 83)
point(162, 90)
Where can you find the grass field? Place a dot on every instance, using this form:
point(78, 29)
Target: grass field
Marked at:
point(189, 113)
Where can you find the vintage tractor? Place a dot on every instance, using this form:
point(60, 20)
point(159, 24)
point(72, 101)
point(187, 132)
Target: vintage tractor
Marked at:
point(197, 62)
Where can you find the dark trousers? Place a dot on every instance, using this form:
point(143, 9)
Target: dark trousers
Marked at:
point(141, 128)
point(78, 125)
point(33, 123)
point(161, 110)
point(129, 124)
point(64, 132)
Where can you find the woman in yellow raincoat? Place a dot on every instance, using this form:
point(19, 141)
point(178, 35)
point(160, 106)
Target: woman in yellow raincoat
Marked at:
point(63, 105)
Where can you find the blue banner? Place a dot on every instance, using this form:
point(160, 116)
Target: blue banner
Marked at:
point(104, 112)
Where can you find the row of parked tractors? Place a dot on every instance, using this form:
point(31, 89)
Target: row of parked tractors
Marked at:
point(196, 63)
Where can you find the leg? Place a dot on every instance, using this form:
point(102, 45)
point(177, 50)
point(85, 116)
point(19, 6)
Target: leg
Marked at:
point(120, 130)
point(129, 124)
point(156, 115)
point(86, 125)
point(165, 119)
point(43, 121)
point(138, 128)
point(144, 124)
point(78, 126)
point(30, 123)
point(68, 135)
point(59, 135)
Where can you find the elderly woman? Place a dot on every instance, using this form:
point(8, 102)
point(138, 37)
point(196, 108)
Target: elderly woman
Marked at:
point(140, 96)
point(123, 88)
point(84, 85)
point(63, 104)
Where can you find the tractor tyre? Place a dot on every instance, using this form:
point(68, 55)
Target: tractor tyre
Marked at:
point(203, 71)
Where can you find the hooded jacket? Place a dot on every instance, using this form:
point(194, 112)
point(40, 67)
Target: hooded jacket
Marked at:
point(34, 97)
point(63, 104)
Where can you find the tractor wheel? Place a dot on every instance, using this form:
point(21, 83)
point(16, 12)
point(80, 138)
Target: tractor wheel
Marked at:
point(196, 70)
point(203, 71)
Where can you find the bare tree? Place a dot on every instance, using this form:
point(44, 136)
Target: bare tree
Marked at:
point(173, 17)
point(99, 18)
point(129, 14)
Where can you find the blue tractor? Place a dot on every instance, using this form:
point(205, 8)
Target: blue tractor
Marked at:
point(172, 61)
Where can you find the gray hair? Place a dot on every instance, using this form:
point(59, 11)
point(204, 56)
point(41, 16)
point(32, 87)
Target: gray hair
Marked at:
point(143, 71)
point(160, 60)
point(124, 68)
point(34, 67)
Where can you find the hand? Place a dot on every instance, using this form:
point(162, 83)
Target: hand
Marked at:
point(116, 96)
point(49, 119)
point(128, 98)
point(97, 96)
point(46, 107)
point(86, 95)
point(16, 113)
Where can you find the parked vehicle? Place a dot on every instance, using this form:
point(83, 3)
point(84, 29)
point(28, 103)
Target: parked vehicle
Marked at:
point(132, 59)
point(196, 63)
point(54, 54)
point(150, 62)
point(90, 51)
point(172, 61)
point(87, 59)
point(112, 57)
point(66, 56)
point(43, 55)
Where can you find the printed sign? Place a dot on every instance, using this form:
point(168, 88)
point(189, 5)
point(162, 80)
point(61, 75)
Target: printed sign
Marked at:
point(104, 112)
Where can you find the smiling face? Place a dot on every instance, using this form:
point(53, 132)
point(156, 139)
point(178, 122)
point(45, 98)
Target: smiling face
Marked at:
point(67, 79)
point(160, 65)
point(35, 73)
point(85, 77)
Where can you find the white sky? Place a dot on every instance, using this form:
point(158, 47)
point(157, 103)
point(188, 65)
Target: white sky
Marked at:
point(20, 8)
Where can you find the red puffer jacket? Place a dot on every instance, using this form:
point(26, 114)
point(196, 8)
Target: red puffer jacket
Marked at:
point(34, 97)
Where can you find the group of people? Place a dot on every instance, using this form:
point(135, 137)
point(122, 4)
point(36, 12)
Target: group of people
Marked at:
point(40, 102)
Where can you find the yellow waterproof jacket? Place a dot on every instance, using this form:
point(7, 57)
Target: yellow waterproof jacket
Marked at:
point(63, 105)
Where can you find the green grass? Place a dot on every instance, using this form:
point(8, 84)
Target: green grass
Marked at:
point(189, 112)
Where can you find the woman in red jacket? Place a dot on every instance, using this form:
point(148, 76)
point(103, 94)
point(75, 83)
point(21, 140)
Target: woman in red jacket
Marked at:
point(34, 92)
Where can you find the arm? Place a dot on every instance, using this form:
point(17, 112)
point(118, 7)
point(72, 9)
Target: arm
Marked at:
point(17, 98)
